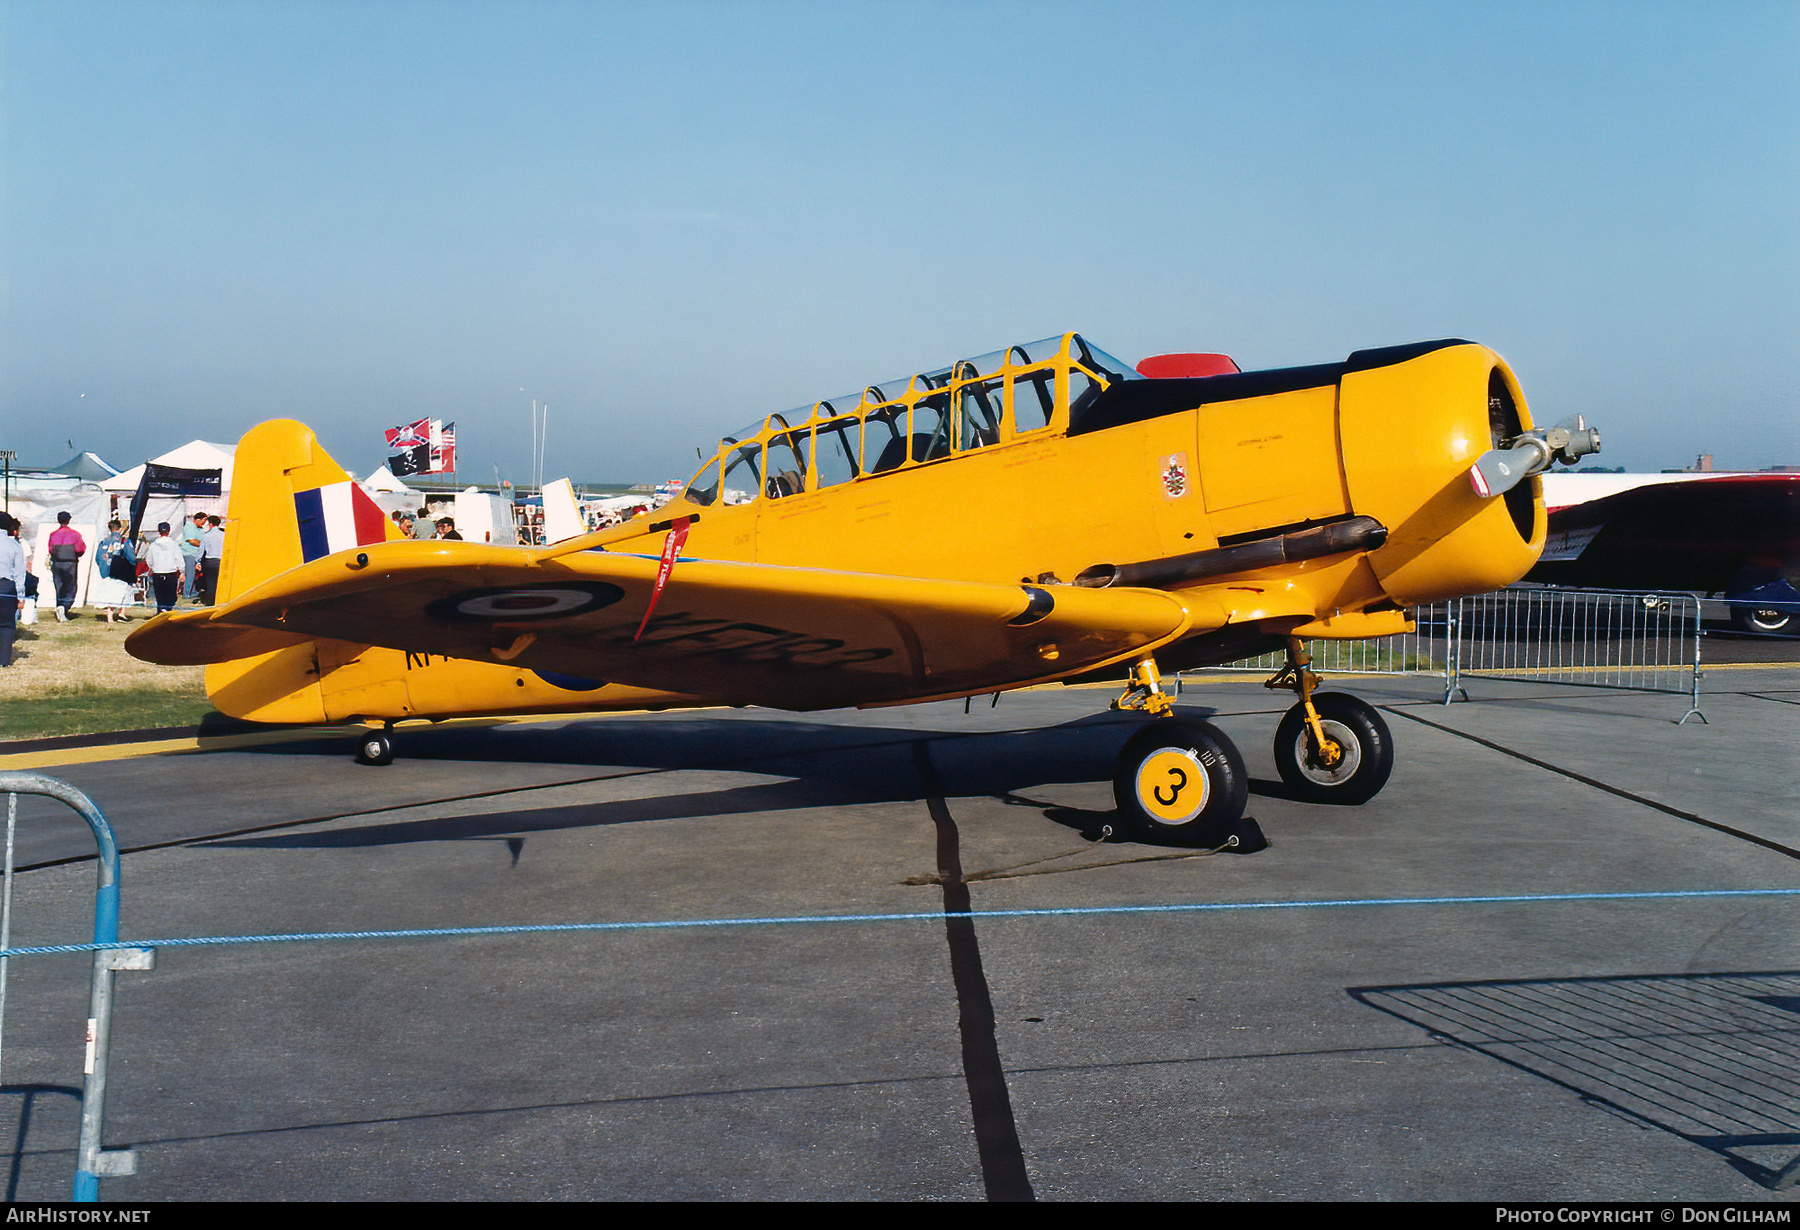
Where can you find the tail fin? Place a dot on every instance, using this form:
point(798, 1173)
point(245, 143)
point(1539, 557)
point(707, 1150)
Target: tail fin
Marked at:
point(290, 503)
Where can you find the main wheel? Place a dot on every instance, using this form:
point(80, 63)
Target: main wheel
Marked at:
point(1179, 781)
point(375, 748)
point(1366, 751)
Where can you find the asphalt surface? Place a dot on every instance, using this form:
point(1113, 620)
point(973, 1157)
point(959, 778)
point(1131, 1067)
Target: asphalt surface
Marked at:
point(1572, 1045)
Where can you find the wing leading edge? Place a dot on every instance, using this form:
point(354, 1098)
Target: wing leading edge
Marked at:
point(791, 638)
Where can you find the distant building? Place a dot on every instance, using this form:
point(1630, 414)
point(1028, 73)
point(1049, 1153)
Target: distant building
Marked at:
point(1703, 464)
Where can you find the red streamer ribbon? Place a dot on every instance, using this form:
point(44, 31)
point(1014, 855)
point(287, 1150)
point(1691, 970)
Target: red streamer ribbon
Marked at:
point(672, 545)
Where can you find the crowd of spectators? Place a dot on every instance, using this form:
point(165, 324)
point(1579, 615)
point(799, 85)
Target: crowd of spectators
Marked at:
point(166, 565)
point(161, 567)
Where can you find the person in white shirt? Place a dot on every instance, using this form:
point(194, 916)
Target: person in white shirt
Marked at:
point(12, 584)
point(164, 558)
point(212, 557)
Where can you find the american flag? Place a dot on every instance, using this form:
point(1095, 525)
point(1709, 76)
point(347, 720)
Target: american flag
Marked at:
point(443, 446)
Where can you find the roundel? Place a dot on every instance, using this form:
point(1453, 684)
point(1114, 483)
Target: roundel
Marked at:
point(524, 602)
point(512, 603)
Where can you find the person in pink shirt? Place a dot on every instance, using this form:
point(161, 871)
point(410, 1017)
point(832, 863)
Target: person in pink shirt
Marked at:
point(66, 549)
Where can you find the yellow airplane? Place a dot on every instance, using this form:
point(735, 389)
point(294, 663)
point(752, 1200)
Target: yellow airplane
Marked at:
point(1042, 513)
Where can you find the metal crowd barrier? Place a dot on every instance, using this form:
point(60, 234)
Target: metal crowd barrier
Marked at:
point(91, 1161)
point(1647, 642)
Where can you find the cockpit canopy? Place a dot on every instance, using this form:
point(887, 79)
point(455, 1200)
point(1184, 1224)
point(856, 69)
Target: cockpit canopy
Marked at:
point(914, 420)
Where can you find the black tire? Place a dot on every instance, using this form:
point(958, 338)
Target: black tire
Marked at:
point(1178, 756)
point(375, 748)
point(1766, 620)
point(1358, 729)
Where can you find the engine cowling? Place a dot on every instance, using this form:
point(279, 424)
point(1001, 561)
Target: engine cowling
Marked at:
point(1409, 433)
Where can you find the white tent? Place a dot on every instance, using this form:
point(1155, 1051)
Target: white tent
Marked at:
point(389, 493)
point(36, 502)
point(383, 482)
point(194, 455)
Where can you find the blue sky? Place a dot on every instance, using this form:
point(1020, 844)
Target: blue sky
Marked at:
point(667, 219)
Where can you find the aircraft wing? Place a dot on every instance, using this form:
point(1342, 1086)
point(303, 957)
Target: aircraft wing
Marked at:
point(738, 633)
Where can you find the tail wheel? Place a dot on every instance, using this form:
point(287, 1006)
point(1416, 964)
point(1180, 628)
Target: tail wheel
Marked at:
point(1365, 751)
point(1179, 781)
point(375, 748)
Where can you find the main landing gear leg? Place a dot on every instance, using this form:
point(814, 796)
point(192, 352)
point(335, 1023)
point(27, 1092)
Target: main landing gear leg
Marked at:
point(1144, 690)
point(376, 747)
point(1179, 781)
point(1331, 747)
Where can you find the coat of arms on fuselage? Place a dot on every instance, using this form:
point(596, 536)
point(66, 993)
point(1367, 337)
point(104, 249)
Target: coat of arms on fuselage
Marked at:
point(1174, 475)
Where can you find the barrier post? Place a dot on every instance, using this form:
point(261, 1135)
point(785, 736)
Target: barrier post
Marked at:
point(92, 1162)
point(1453, 651)
point(6, 887)
point(1694, 700)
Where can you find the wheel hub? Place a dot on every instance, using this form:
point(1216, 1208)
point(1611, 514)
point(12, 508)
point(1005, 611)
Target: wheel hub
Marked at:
point(1325, 770)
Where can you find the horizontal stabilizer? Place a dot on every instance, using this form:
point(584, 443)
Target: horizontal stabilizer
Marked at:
point(202, 637)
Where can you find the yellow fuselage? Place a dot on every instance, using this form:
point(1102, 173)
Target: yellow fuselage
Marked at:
point(1391, 441)
point(1039, 465)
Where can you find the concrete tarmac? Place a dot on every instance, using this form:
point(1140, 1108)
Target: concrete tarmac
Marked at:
point(1575, 1045)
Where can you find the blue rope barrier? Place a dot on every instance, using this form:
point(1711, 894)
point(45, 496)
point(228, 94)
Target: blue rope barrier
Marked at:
point(923, 916)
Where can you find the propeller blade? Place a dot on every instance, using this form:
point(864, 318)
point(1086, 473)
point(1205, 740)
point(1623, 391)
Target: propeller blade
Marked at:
point(1499, 470)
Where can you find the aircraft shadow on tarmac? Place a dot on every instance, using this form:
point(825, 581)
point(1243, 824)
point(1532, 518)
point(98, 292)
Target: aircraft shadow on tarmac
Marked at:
point(715, 739)
point(824, 766)
point(1709, 1058)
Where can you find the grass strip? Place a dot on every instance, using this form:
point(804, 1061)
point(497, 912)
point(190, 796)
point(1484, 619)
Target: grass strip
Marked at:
point(75, 678)
point(101, 712)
